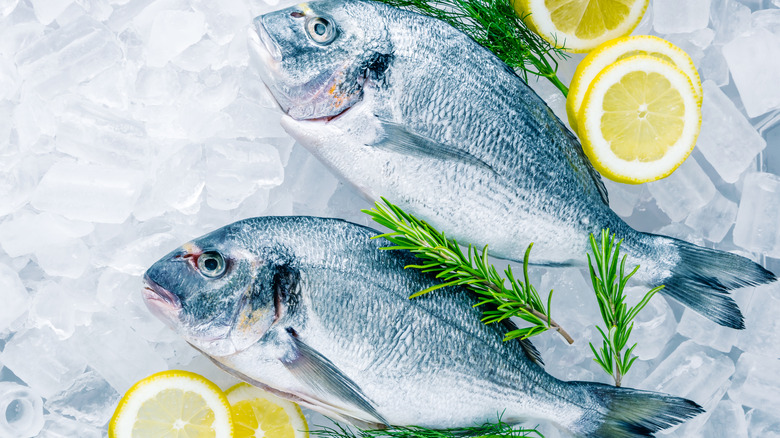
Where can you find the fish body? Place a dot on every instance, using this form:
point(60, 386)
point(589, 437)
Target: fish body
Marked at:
point(313, 310)
point(406, 107)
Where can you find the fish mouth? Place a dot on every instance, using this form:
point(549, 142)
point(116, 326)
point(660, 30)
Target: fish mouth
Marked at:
point(263, 43)
point(158, 298)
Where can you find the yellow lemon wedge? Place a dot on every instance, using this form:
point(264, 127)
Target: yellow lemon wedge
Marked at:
point(172, 404)
point(580, 25)
point(639, 120)
point(622, 48)
point(258, 414)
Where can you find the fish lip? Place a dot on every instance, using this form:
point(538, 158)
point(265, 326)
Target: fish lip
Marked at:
point(154, 293)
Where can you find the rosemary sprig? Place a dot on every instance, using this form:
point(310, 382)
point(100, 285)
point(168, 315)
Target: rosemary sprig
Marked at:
point(472, 270)
point(487, 430)
point(495, 25)
point(609, 284)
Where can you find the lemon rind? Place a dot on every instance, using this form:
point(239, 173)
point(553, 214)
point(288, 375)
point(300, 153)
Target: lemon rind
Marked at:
point(244, 391)
point(597, 147)
point(608, 53)
point(540, 21)
point(121, 424)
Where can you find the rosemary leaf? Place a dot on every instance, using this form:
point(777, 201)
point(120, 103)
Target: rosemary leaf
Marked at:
point(609, 280)
point(471, 269)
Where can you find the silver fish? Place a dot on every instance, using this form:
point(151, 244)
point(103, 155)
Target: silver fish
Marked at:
point(312, 310)
point(406, 107)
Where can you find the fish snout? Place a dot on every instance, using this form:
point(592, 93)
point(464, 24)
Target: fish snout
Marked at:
point(160, 301)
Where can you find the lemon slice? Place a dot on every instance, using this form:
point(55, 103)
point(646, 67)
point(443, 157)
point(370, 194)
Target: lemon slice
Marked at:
point(172, 404)
point(258, 414)
point(639, 120)
point(622, 48)
point(581, 25)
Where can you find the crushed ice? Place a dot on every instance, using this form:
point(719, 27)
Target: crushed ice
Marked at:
point(130, 126)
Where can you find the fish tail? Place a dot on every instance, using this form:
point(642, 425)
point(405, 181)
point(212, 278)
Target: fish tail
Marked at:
point(628, 413)
point(702, 278)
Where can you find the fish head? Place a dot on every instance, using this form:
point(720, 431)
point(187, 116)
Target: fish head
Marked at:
point(214, 292)
point(316, 57)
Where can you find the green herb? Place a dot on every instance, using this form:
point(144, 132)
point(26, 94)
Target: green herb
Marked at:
point(472, 270)
point(609, 284)
point(487, 430)
point(495, 25)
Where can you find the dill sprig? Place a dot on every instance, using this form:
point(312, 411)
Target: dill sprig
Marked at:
point(487, 430)
point(609, 282)
point(472, 270)
point(495, 25)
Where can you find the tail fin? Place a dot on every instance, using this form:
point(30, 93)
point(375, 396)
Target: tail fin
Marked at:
point(702, 278)
point(629, 413)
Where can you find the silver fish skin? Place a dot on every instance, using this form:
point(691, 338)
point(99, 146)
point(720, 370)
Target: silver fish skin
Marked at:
point(313, 310)
point(406, 107)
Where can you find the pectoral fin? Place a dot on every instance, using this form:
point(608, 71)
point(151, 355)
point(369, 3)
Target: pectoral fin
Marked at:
point(320, 374)
point(398, 139)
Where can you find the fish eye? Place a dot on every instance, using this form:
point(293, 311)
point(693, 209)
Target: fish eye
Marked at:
point(321, 30)
point(211, 264)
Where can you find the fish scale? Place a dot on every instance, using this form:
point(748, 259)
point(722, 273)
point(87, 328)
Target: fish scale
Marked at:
point(334, 330)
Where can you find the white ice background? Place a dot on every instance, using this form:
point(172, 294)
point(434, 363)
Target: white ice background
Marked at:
point(128, 127)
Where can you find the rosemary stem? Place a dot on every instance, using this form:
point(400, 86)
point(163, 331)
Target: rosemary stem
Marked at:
point(553, 325)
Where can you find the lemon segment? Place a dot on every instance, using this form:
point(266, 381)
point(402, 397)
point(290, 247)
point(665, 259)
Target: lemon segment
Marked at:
point(639, 120)
point(617, 50)
point(581, 25)
point(176, 404)
point(258, 414)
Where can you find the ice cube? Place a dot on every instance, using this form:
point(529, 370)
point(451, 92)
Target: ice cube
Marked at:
point(68, 259)
point(769, 19)
point(237, 169)
point(251, 120)
point(654, 326)
point(67, 56)
point(57, 426)
point(754, 62)
point(22, 411)
point(672, 16)
point(48, 10)
point(729, 19)
point(171, 33)
point(762, 424)
point(178, 183)
point(42, 360)
point(757, 381)
point(135, 256)
point(704, 332)
point(715, 219)
point(224, 19)
point(17, 184)
point(687, 189)
point(762, 332)
point(90, 399)
point(97, 134)
point(89, 192)
point(156, 86)
point(697, 373)
point(27, 232)
point(713, 66)
point(727, 420)
point(726, 140)
point(117, 352)
point(758, 218)
point(15, 297)
point(53, 307)
point(312, 185)
point(7, 6)
point(624, 198)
